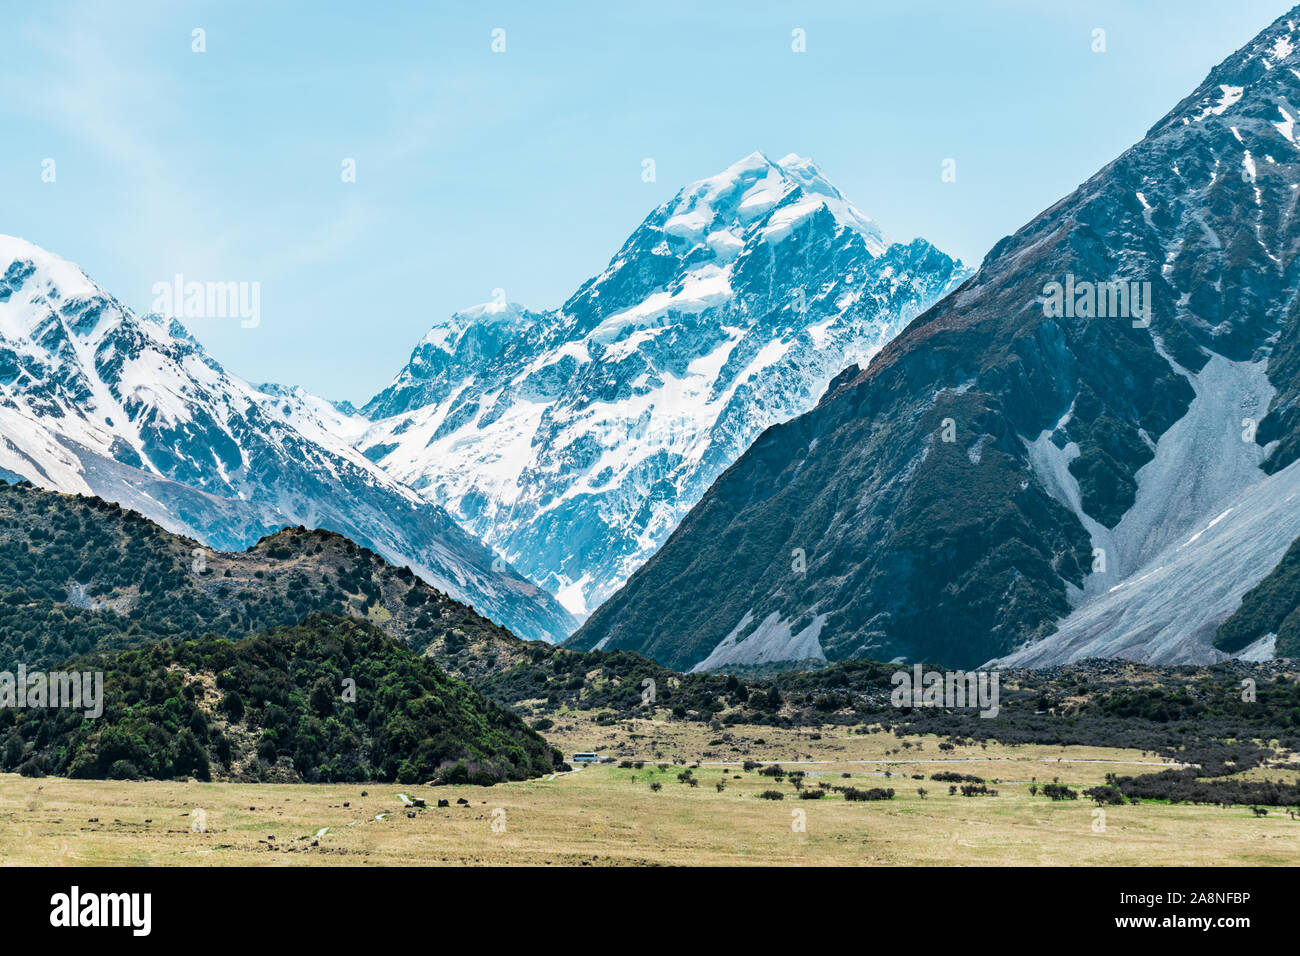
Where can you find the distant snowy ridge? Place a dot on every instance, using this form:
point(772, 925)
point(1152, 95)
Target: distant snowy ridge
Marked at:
point(97, 400)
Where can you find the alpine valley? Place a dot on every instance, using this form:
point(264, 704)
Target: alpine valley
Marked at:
point(1013, 480)
point(776, 543)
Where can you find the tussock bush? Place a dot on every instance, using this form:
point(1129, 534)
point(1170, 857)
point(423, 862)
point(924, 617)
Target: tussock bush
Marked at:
point(873, 793)
point(1058, 791)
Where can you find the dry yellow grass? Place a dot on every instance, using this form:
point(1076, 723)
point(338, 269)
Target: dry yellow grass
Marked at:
point(605, 814)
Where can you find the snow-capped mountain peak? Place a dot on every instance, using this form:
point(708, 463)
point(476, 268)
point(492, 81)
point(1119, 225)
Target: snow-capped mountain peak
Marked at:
point(719, 211)
point(38, 286)
point(574, 440)
point(444, 335)
point(61, 276)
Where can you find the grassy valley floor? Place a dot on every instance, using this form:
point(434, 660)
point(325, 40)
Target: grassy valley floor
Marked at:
point(608, 814)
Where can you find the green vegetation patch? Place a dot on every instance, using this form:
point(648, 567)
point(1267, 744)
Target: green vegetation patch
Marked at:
point(278, 706)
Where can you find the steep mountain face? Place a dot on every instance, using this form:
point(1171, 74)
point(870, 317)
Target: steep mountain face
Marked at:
point(97, 400)
point(574, 440)
point(1045, 463)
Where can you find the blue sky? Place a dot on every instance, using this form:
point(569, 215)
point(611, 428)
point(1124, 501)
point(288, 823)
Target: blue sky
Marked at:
point(521, 170)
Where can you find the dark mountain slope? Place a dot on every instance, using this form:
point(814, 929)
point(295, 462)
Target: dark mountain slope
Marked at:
point(81, 574)
point(1270, 607)
point(960, 543)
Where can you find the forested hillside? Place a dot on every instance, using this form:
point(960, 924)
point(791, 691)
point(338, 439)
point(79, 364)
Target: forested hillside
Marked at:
point(332, 699)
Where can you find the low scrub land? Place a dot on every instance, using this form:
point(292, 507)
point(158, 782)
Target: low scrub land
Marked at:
point(674, 793)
